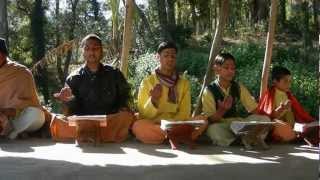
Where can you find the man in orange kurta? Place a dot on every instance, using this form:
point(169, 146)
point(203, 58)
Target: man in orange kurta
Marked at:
point(20, 109)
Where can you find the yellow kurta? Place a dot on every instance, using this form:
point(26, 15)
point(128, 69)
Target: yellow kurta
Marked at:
point(209, 103)
point(165, 109)
point(220, 132)
point(286, 116)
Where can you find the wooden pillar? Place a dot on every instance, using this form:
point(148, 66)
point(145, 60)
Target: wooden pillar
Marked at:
point(127, 37)
point(269, 43)
point(215, 48)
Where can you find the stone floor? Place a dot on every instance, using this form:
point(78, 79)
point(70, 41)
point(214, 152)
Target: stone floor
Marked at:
point(43, 159)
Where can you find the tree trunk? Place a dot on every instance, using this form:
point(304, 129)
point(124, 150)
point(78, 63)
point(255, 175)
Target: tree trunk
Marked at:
point(215, 48)
point(74, 5)
point(282, 13)
point(58, 41)
point(316, 19)
point(115, 23)
point(95, 8)
point(162, 15)
point(145, 21)
point(171, 19)
point(216, 9)
point(38, 48)
point(179, 13)
point(269, 43)
point(307, 43)
point(127, 37)
point(4, 20)
point(193, 13)
point(259, 10)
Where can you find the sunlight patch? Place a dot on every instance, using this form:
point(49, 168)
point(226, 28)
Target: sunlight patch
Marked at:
point(311, 156)
point(125, 156)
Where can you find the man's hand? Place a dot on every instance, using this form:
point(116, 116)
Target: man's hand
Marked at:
point(155, 94)
point(5, 125)
point(284, 106)
point(9, 112)
point(64, 95)
point(223, 107)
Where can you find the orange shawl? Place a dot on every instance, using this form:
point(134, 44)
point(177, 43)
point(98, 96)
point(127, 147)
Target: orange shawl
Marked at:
point(266, 104)
point(17, 87)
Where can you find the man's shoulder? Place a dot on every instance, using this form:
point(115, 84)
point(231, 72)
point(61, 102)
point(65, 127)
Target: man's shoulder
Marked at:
point(18, 68)
point(107, 67)
point(76, 73)
point(183, 80)
point(153, 78)
point(150, 76)
point(150, 79)
point(242, 87)
point(113, 71)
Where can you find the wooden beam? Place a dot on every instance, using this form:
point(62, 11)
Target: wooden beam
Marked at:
point(269, 43)
point(127, 37)
point(215, 48)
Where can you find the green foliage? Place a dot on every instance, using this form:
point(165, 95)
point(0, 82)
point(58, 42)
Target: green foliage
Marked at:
point(140, 68)
point(181, 34)
point(194, 61)
point(249, 61)
point(195, 88)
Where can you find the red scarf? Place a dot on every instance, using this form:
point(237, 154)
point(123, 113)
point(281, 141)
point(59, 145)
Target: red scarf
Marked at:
point(266, 103)
point(170, 82)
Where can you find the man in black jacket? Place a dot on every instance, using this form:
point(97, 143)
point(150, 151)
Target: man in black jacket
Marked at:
point(97, 89)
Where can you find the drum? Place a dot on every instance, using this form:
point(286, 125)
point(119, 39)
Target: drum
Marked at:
point(61, 130)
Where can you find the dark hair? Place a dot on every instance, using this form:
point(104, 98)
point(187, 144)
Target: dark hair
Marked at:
point(166, 45)
point(279, 72)
point(3, 47)
point(222, 57)
point(91, 36)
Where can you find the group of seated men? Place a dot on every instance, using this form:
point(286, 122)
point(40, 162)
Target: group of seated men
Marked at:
point(98, 89)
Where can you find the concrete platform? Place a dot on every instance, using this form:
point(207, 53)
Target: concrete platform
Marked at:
point(43, 159)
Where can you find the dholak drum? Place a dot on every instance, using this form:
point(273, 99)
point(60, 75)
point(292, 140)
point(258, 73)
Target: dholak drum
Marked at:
point(181, 133)
point(60, 129)
point(88, 128)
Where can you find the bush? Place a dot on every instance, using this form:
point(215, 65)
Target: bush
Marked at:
point(193, 61)
point(181, 34)
point(249, 62)
point(140, 68)
point(195, 88)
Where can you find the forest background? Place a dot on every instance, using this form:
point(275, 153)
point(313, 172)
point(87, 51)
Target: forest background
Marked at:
point(49, 31)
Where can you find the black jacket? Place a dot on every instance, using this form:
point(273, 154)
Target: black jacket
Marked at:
point(102, 92)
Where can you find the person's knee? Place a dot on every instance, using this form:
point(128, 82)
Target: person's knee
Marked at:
point(283, 132)
point(146, 133)
point(34, 115)
point(213, 129)
point(136, 126)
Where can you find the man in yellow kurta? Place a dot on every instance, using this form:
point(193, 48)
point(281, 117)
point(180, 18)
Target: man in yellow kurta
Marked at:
point(221, 100)
point(20, 108)
point(162, 95)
